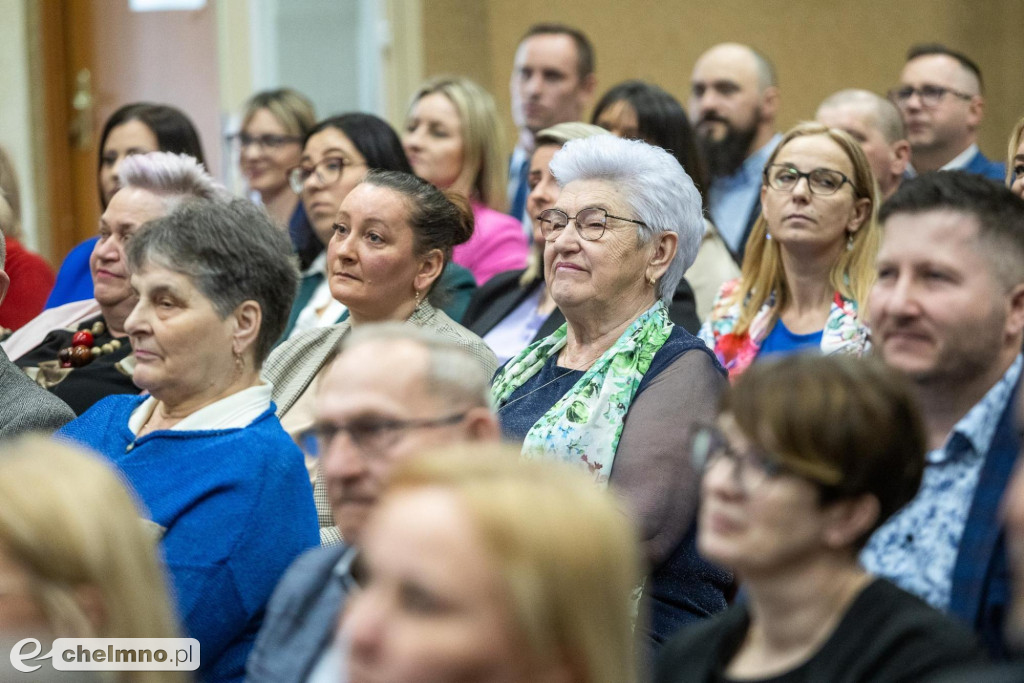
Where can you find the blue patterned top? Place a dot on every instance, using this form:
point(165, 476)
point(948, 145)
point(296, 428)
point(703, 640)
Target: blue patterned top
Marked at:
point(917, 548)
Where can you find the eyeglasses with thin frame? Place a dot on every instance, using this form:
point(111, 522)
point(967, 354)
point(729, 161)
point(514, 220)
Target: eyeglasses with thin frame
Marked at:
point(374, 434)
point(590, 223)
point(821, 181)
point(750, 469)
point(264, 141)
point(328, 171)
point(928, 95)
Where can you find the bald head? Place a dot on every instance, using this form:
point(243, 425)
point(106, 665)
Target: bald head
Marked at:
point(876, 124)
point(733, 103)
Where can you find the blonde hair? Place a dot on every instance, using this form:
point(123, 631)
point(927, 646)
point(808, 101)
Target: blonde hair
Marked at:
point(852, 274)
point(567, 554)
point(70, 521)
point(482, 136)
point(1011, 152)
point(292, 109)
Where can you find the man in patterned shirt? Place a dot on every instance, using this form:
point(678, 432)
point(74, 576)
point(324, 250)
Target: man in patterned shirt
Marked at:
point(948, 311)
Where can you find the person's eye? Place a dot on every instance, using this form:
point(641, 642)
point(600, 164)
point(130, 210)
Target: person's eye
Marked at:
point(418, 600)
point(333, 165)
point(827, 180)
point(109, 159)
point(340, 228)
point(1018, 170)
point(934, 275)
point(728, 89)
point(887, 273)
point(439, 132)
point(932, 91)
point(697, 90)
point(786, 176)
point(374, 238)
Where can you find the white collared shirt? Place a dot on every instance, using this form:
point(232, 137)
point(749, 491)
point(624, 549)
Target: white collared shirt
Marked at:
point(231, 412)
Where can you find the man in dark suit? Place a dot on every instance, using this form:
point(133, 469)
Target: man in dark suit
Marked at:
point(24, 405)
point(395, 391)
point(948, 311)
point(940, 98)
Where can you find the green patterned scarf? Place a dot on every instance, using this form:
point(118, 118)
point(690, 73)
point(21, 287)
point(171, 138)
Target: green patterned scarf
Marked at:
point(584, 426)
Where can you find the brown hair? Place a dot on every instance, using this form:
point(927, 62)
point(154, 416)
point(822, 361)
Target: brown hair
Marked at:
point(849, 425)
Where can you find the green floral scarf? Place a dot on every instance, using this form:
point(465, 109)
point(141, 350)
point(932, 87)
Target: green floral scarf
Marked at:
point(584, 426)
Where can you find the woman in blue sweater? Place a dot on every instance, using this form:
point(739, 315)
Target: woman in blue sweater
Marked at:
point(204, 450)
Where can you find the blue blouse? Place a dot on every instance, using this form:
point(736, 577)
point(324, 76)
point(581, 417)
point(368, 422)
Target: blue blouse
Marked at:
point(781, 340)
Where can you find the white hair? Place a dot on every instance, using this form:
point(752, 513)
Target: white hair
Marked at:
point(653, 184)
point(171, 175)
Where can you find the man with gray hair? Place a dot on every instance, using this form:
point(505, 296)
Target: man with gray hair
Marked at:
point(734, 98)
point(875, 123)
point(24, 405)
point(394, 391)
point(151, 186)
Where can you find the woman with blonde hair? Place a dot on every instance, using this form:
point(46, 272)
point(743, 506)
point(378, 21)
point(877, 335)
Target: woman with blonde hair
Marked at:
point(468, 578)
point(810, 258)
point(76, 558)
point(1015, 160)
point(453, 140)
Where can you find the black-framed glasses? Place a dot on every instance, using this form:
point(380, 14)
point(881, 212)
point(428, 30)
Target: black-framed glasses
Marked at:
point(590, 223)
point(328, 171)
point(928, 95)
point(821, 181)
point(264, 141)
point(750, 469)
point(375, 434)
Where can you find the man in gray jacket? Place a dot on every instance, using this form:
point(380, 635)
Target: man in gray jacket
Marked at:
point(395, 391)
point(24, 405)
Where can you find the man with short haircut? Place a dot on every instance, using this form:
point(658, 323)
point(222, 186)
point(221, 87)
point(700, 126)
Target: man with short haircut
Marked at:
point(24, 405)
point(876, 124)
point(948, 311)
point(395, 391)
point(552, 82)
point(940, 98)
point(734, 98)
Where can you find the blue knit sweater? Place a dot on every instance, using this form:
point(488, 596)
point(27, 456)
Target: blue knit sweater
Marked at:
point(237, 507)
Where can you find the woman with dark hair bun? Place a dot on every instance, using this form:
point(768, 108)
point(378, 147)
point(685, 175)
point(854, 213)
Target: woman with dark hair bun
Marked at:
point(133, 129)
point(336, 155)
point(643, 111)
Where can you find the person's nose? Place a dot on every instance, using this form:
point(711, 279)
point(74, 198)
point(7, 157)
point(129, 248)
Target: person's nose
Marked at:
point(342, 459)
point(137, 323)
point(895, 298)
point(363, 624)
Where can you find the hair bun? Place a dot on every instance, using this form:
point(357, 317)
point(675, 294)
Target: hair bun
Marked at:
point(462, 226)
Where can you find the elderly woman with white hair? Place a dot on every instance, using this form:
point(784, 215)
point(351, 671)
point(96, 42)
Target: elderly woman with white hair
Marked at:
point(80, 351)
point(616, 389)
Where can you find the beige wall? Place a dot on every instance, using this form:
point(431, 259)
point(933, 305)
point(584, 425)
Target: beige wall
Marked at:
point(817, 47)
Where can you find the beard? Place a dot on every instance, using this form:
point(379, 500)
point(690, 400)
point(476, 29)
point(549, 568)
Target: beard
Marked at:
point(725, 156)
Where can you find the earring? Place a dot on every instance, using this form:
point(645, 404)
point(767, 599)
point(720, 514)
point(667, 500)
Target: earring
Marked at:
point(239, 362)
point(767, 235)
point(849, 241)
point(651, 281)
point(417, 297)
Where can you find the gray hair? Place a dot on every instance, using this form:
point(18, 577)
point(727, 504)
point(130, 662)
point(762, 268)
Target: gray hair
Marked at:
point(654, 185)
point(453, 374)
point(174, 176)
point(561, 133)
point(887, 116)
point(232, 252)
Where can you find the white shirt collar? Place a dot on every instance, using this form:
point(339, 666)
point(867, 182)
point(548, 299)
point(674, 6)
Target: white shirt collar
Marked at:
point(961, 160)
point(231, 412)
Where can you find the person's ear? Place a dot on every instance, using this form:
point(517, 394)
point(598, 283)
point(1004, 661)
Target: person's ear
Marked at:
point(1015, 313)
point(431, 265)
point(665, 246)
point(849, 519)
point(90, 600)
point(859, 214)
point(5, 282)
point(247, 318)
point(900, 157)
point(769, 103)
point(975, 112)
point(481, 425)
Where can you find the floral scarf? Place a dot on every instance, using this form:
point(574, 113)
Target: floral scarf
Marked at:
point(584, 426)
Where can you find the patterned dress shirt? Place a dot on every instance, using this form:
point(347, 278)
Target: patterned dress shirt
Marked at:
point(917, 547)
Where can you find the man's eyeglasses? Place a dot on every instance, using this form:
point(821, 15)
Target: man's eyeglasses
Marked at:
point(590, 223)
point(328, 171)
point(264, 141)
point(375, 434)
point(750, 470)
point(821, 181)
point(928, 95)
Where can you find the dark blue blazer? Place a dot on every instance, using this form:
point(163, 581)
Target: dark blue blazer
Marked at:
point(985, 167)
point(981, 578)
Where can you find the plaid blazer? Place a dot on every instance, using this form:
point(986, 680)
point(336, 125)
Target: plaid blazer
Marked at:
point(981, 577)
point(292, 366)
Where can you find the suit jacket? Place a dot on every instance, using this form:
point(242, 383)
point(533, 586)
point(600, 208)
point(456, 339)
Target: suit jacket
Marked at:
point(301, 617)
point(983, 166)
point(500, 295)
point(292, 366)
point(981, 576)
point(25, 406)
